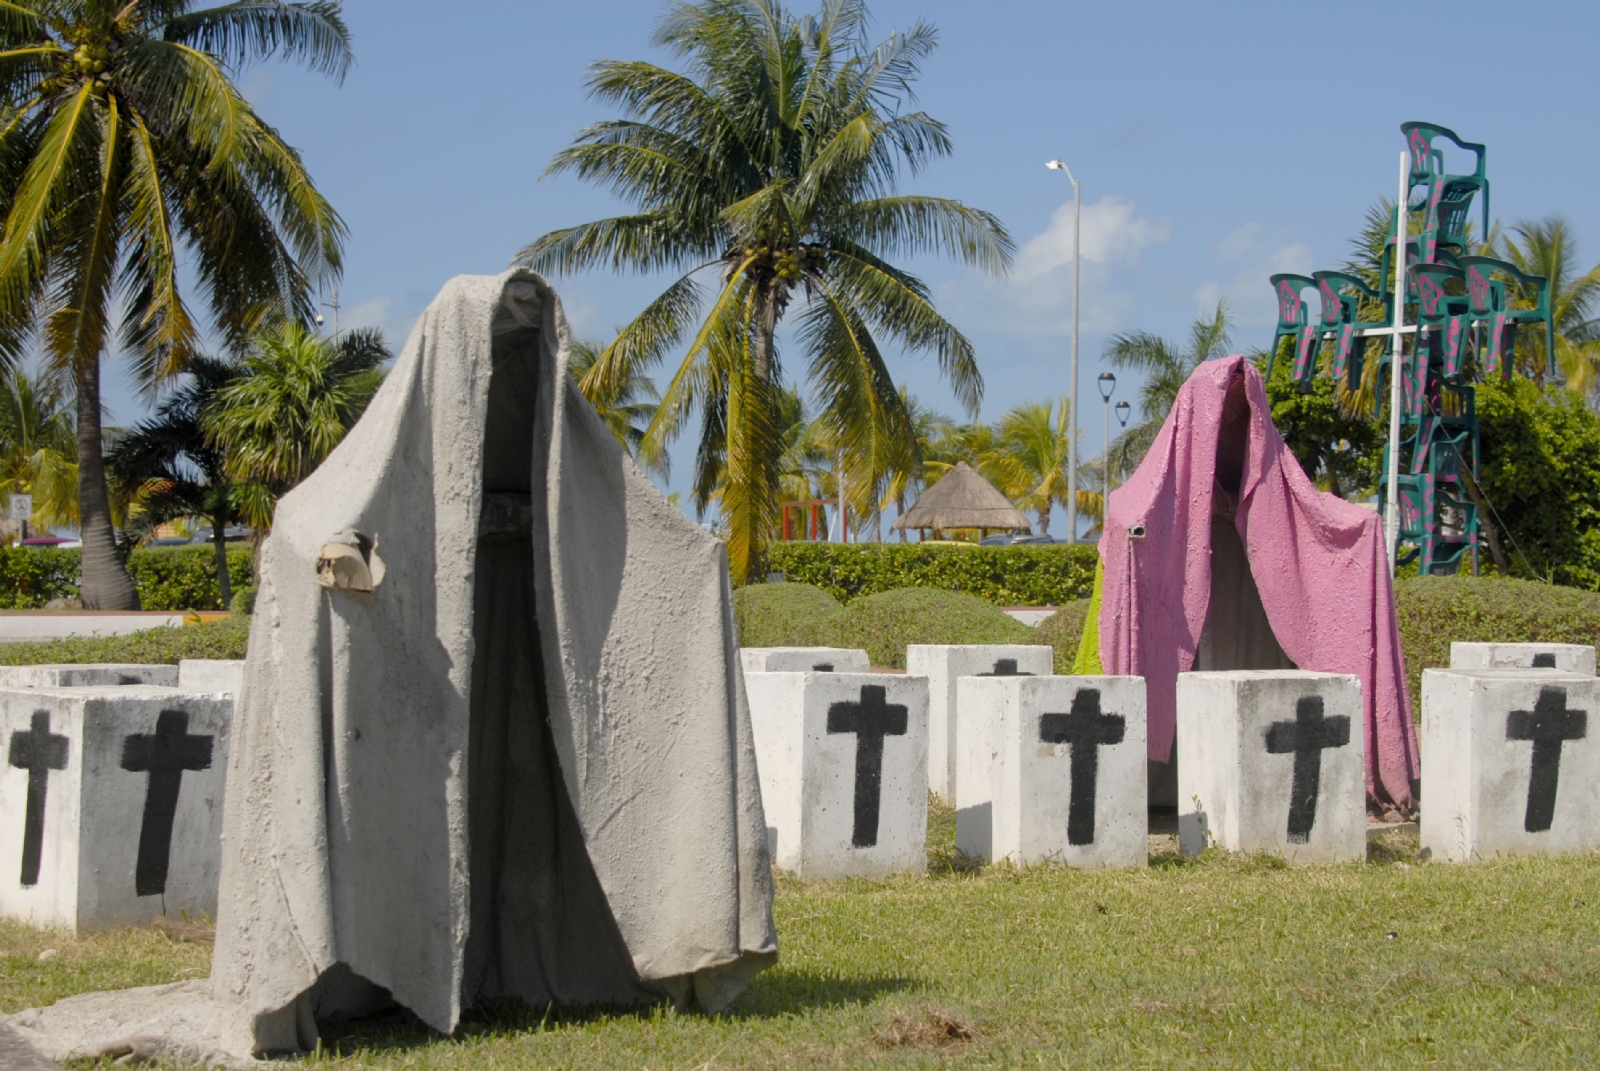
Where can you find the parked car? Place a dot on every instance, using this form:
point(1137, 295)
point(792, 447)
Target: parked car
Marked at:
point(1012, 539)
point(234, 533)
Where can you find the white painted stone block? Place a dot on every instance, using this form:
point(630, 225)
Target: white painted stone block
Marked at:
point(1053, 770)
point(87, 675)
point(111, 803)
point(804, 659)
point(1272, 761)
point(1510, 763)
point(1567, 657)
point(224, 675)
point(944, 665)
point(843, 759)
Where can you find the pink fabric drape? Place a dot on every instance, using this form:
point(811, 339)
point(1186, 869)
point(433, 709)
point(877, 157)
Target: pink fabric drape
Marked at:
point(1318, 561)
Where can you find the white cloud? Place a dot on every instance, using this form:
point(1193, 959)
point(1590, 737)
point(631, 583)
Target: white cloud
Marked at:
point(1037, 298)
point(1244, 261)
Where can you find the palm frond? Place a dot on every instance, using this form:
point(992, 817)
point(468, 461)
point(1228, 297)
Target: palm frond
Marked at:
point(243, 33)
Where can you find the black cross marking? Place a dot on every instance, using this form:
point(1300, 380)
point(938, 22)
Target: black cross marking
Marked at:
point(871, 720)
point(1084, 730)
point(165, 755)
point(1544, 661)
point(1006, 667)
point(1306, 737)
point(1547, 725)
point(823, 667)
point(38, 751)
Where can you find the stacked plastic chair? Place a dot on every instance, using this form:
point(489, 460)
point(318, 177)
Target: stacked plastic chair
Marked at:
point(1465, 309)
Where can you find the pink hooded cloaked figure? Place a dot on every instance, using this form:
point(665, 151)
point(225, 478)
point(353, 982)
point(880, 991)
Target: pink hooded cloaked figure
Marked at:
point(1219, 553)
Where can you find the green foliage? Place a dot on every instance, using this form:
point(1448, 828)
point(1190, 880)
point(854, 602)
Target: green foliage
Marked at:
point(1340, 452)
point(1541, 472)
point(1063, 630)
point(169, 578)
point(1026, 575)
point(778, 615)
point(1434, 610)
point(209, 639)
point(884, 624)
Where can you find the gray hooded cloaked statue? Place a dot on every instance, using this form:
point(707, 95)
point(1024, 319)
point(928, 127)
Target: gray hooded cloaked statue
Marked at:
point(493, 740)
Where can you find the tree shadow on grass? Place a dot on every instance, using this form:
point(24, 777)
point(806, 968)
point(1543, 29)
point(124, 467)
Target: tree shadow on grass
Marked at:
point(775, 993)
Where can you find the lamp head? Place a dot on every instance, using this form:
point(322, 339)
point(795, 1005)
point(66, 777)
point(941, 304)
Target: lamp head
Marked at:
point(319, 319)
point(1108, 383)
point(1056, 165)
point(1123, 409)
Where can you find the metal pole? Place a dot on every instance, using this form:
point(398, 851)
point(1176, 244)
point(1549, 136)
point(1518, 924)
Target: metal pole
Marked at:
point(1397, 365)
point(1105, 458)
point(1072, 421)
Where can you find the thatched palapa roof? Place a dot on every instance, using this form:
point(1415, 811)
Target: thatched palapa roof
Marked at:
point(962, 499)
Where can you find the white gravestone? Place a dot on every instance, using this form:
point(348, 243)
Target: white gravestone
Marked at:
point(1567, 657)
point(1053, 769)
point(1272, 761)
point(944, 665)
point(1510, 763)
point(804, 659)
point(211, 675)
point(843, 760)
point(88, 675)
point(110, 803)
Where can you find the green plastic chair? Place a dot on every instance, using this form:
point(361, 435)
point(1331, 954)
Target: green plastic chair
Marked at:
point(1488, 304)
point(1294, 321)
point(1341, 316)
point(1444, 315)
point(1448, 202)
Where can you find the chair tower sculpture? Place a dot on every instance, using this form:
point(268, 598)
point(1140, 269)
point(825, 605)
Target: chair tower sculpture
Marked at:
point(1463, 308)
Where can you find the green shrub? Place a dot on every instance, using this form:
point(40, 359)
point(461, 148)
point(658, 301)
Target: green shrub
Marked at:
point(1027, 575)
point(210, 639)
point(168, 578)
point(1062, 630)
point(885, 623)
point(778, 615)
point(1434, 610)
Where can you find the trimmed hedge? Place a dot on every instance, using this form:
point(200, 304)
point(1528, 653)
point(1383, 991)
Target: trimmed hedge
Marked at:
point(776, 615)
point(1026, 575)
point(885, 623)
point(168, 578)
point(209, 639)
point(1062, 630)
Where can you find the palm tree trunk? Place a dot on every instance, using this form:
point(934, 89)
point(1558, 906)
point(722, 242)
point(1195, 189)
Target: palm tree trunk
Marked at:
point(754, 501)
point(106, 584)
point(219, 539)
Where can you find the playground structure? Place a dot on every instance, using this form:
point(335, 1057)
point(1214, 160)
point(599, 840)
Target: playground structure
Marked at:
point(1463, 312)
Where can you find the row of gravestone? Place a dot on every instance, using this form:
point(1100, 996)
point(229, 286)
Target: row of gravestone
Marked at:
point(1045, 768)
point(112, 790)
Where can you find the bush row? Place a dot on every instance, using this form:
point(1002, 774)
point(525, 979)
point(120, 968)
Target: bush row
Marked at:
point(209, 639)
point(1027, 575)
point(168, 578)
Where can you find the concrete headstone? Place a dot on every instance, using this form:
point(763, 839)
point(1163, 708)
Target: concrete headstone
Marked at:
point(88, 675)
point(803, 660)
point(843, 759)
point(944, 665)
point(211, 675)
point(1510, 763)
point(1272, 761)
point(1567, 657)
point(112, 803)
point(1052, 769)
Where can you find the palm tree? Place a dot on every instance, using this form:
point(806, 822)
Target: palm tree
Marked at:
point(125, 152)
point(1031, 459)
point(625, 405)
point(768, 168)
point(1548, 247)
point(170, 470)
point(928, 428)
point(295, 396)
point(1167, 368)
point(38, 437)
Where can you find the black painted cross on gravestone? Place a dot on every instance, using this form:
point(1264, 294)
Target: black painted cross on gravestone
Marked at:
point(1085, 729)
point(164, 755)
point(1006, 667)
point(1548, 724)
point(1547, 660)
point(38, 751)
point(870, 720)
point(1306, 737)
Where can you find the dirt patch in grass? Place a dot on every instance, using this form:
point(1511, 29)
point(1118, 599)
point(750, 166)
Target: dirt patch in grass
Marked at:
point(927, 1028)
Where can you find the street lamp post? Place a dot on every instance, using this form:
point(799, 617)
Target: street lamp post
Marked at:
point(1123, 409)
point(1108, 384)
point(334, 305)
point(1072, 421)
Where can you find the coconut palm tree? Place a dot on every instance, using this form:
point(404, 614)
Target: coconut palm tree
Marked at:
point(1166, 368)
point(295, 396)
point(1549, 247)
point(126, 151)
point(626, 405)
point(38, 437)
point(928, 427)
point(765, 173)
point(170, 470)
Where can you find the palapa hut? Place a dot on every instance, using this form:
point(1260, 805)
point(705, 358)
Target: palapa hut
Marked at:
point(962, 499)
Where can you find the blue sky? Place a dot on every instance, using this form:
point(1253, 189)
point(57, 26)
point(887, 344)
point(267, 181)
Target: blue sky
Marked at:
point(1216, 143)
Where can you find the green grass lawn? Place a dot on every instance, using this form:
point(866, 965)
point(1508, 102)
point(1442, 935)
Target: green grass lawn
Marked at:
point(1223, 962)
